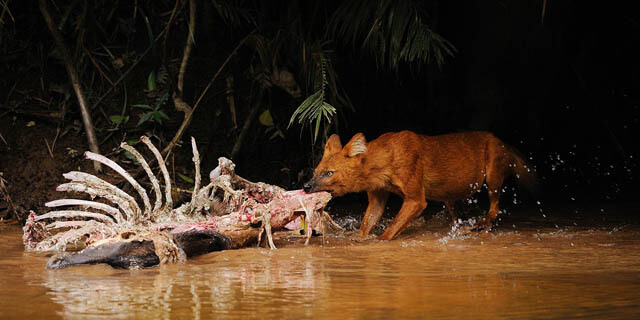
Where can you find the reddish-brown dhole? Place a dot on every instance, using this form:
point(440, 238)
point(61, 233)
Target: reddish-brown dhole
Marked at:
point(445, 168)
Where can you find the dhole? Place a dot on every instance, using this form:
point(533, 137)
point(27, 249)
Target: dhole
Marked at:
point(445, 168)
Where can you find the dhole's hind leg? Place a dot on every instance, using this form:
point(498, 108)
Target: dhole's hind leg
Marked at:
point(487, 220)
point(410, 209)
point(495, 177)
point(377, 202)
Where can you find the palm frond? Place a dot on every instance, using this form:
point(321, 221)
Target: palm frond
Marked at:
point(392, 32)
point(314, 110)
point(234, 13)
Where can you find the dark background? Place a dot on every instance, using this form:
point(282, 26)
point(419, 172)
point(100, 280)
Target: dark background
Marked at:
point(563, 88)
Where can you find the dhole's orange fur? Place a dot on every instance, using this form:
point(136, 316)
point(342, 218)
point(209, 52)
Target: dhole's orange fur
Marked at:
point(445, 168)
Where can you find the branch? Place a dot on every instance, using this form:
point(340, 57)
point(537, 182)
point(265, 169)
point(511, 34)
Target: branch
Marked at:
point(245, 128)
point(75, 82)
point(133, 65)
point(178, 103)
point(187, 119)
point(188, 46)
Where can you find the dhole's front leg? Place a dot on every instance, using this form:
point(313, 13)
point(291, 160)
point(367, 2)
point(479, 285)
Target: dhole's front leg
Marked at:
point(377, 202)
point(410, 209)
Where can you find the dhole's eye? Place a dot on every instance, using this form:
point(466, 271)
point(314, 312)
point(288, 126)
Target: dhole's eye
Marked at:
point(329, 173)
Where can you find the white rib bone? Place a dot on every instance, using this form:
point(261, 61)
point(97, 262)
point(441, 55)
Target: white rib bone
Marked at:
point(147, 169)
point(69, 224)
point(74, 214)
point(108, 162)
point(99, 184)
point(196, 162)
point(124, 204)
point(163, 168)
point(91, 204)
point(60, 240)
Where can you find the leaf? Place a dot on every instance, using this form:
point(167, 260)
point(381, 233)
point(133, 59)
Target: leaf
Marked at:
point(163, 115)
point(312, 111)
point(392, 32)
point(31, 123)
point(276, 133)
point(305, 107)
point(152, 40)
point(151, 81)
point(162, 76)
point(266, 119)
point(118, 119)
point(130, 156)
point(157, 117)
point(185, 178)
point(161, 101)
point(142, 106)
point(145, 118)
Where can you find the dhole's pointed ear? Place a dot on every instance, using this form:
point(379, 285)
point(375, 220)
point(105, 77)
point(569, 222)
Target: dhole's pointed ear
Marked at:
point(333, 145)
point(357, 145)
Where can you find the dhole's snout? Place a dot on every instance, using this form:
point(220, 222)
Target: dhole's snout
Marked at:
point(316, 185)
point(308, 187)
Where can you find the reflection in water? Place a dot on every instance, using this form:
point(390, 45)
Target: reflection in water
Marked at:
point(525, 272)
point(234, 283)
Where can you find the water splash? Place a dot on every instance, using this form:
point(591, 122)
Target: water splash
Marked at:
point(459, 231)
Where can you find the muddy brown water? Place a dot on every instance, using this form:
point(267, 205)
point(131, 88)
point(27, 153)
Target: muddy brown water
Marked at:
point(570, 264)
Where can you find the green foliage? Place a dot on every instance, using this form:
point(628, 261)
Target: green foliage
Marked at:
point(129, 155)
point(154, 79)
point(313, 111)
point(234, 13)
point(154, 113)
point(393, 32)
point(266, 119)
point(185, 178)
point(118, 119)
point(315, 74)
point(294, 36)
point(151, 81)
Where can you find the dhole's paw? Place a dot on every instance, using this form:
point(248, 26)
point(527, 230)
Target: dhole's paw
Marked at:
point(482, 225)
point(465, 230)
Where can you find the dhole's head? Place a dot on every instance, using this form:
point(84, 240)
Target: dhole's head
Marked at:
point(339, 170)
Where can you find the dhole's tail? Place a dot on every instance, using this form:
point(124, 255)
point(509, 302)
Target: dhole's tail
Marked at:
point(525, 173)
